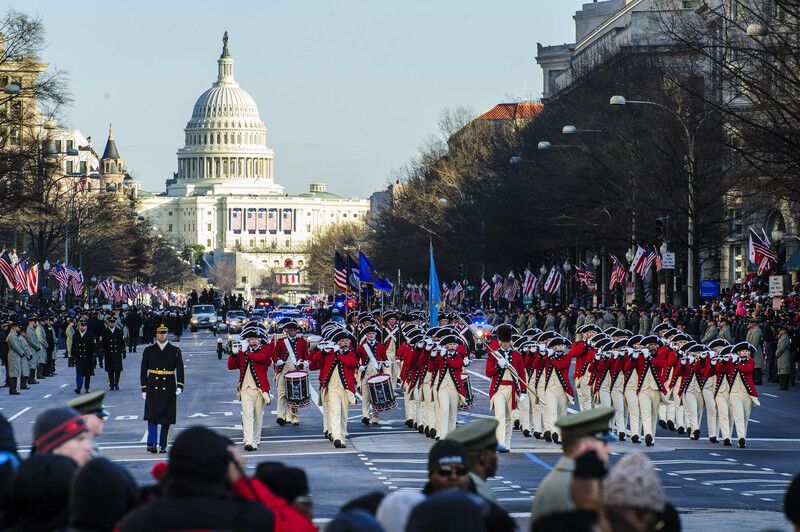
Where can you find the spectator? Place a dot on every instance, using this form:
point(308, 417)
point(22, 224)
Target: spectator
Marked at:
point(354, 520)
point(395, 509)
point(289, 483)
point(632, 494)
point(101, 493)
point(449, 510)
point(9, 459)
point(782, 356)
point(37, 495)
point(197, 490)
point(62, 431)
point(447, 467)
point(791, 503)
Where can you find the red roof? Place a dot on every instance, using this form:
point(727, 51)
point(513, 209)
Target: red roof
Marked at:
point(512, 111)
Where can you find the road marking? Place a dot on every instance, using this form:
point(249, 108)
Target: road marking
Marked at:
point(536, 460)
point(770, 395)
point(258, 455)
point(714, 454)
point(399, 461)
point(64, 385)
point(746, 481)
point(687, 478)
point(765, 499)
point(315, 398)
point(15, 416)
point(766, 492)
point(423, 471)
point(144, 438)
point(481, 392)
point(702, 462)
point(401, 479)
point(720, 471)
point(48, 396)
point(511, 499)
point(766, 469)
point(484, 377)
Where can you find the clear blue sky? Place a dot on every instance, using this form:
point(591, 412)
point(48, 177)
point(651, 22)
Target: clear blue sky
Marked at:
point(347, 90)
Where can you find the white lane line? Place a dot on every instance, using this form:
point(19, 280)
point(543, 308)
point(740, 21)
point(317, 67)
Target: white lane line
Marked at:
point(766, 492)
point(15, 416)
point(144, 438)
point(422, 480)
point(746, 481)
point(258, 455)
point(751, 420)
point(484, 377)
point(512, 499)
point(481, 392)
point(423, 471)
point(770, 395)
point(48, 396)
point(399, 461)
point(314, 397)
point(64, 385)
point(766, 499)
point(678, 462)
point(721, 472)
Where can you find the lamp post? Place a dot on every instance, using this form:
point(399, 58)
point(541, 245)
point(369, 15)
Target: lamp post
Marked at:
point(567, 267)
point(777, 237)
point(690, 171)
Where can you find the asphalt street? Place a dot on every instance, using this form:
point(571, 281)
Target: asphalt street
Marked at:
point(698, 476)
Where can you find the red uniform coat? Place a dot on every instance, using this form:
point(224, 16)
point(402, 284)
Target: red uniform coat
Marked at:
point(502, 375)
point(600, 369)
point(618, 368)
point(451, 366)
point(654, 365)
point(281, 352)
point(540, 364)
point(695, 370)
point(256, 362)
point(744, 369)
point(378, 351)
point(328, 361)
point(559, 366)
point(583, 355)
point(721, 369)
point(408, 355)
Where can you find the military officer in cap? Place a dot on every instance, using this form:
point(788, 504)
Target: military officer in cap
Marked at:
point(290, 353)
point(17, 359)
point(480, 443)
point(112, 346)
point(162, 380)
point(83, 353)
point(372, 361)
point(581, 432)
point(253, 385)
point(36, 349)
point(90, 406)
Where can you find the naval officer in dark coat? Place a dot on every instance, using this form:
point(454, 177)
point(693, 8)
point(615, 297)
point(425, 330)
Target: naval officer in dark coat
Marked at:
point(162, 381)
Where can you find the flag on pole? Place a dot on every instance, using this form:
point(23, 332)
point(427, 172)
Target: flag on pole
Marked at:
point(499, 286)
point(617, 273)
point(760, 252)
point(553, 282)
point(7, 268)
point(528, 283)
point(352, 277)
point(650, 257)
point(638, 262)
point(434, 297)
point(32, 279)
point(367, 274)
point(484, 288)
point(19, 276)
point(340, 272)
point(586, 277)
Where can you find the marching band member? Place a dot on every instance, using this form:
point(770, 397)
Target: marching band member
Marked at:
point(253, 385)
point(528, 351)
point(449, 387)
point(650, 390)
point(428, 373)
point(600, 365)
point(409, 354)
point(743, 394)
point(676, 418)
point(558, 391)
point(664, 331)
point(290, 353)
point(631, 374)
point(391, 337)
point(504, 388)
point(710, 388)
point(722, 363)
point(583, 354)
point(619, 379)
point(691, 392)
point(337, 371)
point(540, 372)
point(372, 361)
point(162, 381)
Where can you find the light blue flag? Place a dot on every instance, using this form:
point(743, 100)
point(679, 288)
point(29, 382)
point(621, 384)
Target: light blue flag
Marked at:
point(434, 295)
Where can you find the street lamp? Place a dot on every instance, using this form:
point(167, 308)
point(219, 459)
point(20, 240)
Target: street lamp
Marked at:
point(442, 201)
point(571, 130)
point(596, 261)
point(629, 254)
point(777, 235)
point(543, 270)
point(663, 249)
point(567, 266)
point(547, 145)
point(618, 100)
point(519, 160)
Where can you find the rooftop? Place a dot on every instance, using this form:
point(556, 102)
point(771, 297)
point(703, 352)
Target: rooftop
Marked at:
point(512, 111)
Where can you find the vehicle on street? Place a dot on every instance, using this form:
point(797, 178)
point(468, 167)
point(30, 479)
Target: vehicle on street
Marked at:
point(203, 317)
point(235, 320)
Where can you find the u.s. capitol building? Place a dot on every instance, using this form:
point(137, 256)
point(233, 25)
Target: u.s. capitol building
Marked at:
point(224, 196)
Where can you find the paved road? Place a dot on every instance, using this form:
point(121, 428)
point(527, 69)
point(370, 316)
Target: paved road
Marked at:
point(697, 475)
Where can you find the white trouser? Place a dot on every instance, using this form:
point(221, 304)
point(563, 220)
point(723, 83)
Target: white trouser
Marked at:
point(649, 399)
point(555, 404)
point(525, 404)
point(428, 403)
point(501, 405)
point(675, 410)
point(252, 415)
point(722, 400)
point(618, 402)
point(338, 401)
point(693, 407)
point(632, 401)
point(741, 404)
point(394, 369)
point(604, 395)
point(711, 406)
point(447, 411)
point(366, 398)
point(584, 392)
point(538, 406)
point(409, 404)
point(282, 409)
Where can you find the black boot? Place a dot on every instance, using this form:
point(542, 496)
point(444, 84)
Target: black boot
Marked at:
point(648, 440)
point(784, 382)
point(635, 438)
point(41, 373)
point(713, 439)
point(662, 424)
point(32, 377)
point(555, 438)
point(526, 433)
point(741, 443)
point(621, 436)
point(696, 435)
point(517, 425)
point(12, 386)
point(24, 385)
point(547, 437)
point(671, 425)
point(726, 442)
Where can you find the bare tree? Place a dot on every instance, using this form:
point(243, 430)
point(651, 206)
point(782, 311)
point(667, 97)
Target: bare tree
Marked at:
point(322, 247)
point(223, 276)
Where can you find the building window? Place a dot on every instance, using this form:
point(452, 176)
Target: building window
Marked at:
point(344, 215)
point(288, 263)
point(208, 243)
point(70, 167)
point(16, 109)
point(252, 242)
point(169, 213)
point(244, 278)
point(261, 243)
point(209, 227)
point(58, 146)
point(308, 228)
point(169, 228)
point(276, 263)
point(83, 167)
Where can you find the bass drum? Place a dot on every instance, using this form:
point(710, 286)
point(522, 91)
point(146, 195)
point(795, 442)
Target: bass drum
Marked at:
point(297, 391)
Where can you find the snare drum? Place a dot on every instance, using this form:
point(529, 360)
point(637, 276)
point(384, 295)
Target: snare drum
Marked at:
point(297, 393)
point(380, 392)
point(468, 395)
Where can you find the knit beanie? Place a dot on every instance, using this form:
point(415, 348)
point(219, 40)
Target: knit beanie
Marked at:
point(395, 508)
point(37, 495)
point(633, 482)
point(199, 455)
point(100, 494)
point(287, 483)
point(446, 452)
point(56, 426)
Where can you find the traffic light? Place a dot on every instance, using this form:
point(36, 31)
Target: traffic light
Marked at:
point(659, 229)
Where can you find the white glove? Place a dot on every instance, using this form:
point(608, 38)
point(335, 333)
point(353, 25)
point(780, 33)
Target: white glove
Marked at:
point(387, 363)
point(362, 368)
point(735, 358)
point(178, 391)
point(635, 355)
point(428, 343)
point(267, 397)
point(502, 362)
point(336, 348)
point(466, 361)
point(420, 344)
point(683, 361)
point(713, 361)
point(144, 395)
point(433, 353)
point(280, 363)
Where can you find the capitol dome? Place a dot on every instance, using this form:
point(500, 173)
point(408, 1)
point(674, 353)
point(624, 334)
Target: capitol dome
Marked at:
point(225, 137)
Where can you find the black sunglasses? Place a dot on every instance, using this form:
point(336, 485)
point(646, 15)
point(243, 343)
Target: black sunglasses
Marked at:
point(446, 471)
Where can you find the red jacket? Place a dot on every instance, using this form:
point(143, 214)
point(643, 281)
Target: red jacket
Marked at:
point(282, 351)
point(540, 364)
point(499, 374)
point(618, 368)
point(378, 351)
point(583, 355)
point(287, 518)
point(654, 365)
point(559, 367)
point(451, 367)
point(600, 368)
point(721, 369)
point(408, 355)
point(743, 369)
point(256, 362)
point(691, 371)
point(345, 362)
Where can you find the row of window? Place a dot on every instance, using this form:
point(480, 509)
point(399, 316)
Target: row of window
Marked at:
point(196, 139)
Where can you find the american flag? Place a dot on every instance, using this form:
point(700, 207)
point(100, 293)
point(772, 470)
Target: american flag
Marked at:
point(650, 257)
point(528, 283)
point(445, 292)
point(19, 276)
point(60, 275)
point(32, 279)
point(553, 282)
point(659, 262)
point(512, 287)
point(7, 268)
point(484, 288)
point(760, 252)
point(499, 286)
point(456, 290)
point(340, 273)
point(617, 273)
point(586, 277)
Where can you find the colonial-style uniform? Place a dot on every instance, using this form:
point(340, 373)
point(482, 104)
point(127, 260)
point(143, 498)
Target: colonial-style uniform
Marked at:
point(449, 386)
point(709, 377)
point(290, 354)
point(391, 341)
point(505, 388)
point(722, 392)
point(630, 391)
point(526, 404)
point(743, 394)
point(691, 392)
point(428, 396)
point(112, 345)
point(83, 353)
point(252, 387)
point(372, 360)
point(583, 354)
point(408, 353)
point(162, 379)
point(337, 373)
point(650, 390)
point(557, 389)
point(540, 369)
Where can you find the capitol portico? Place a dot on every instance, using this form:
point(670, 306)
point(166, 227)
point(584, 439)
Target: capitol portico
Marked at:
point(224, 196)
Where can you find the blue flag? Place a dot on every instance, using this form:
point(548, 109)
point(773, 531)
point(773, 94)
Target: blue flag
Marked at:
point(434, 297)
point(368, 274)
